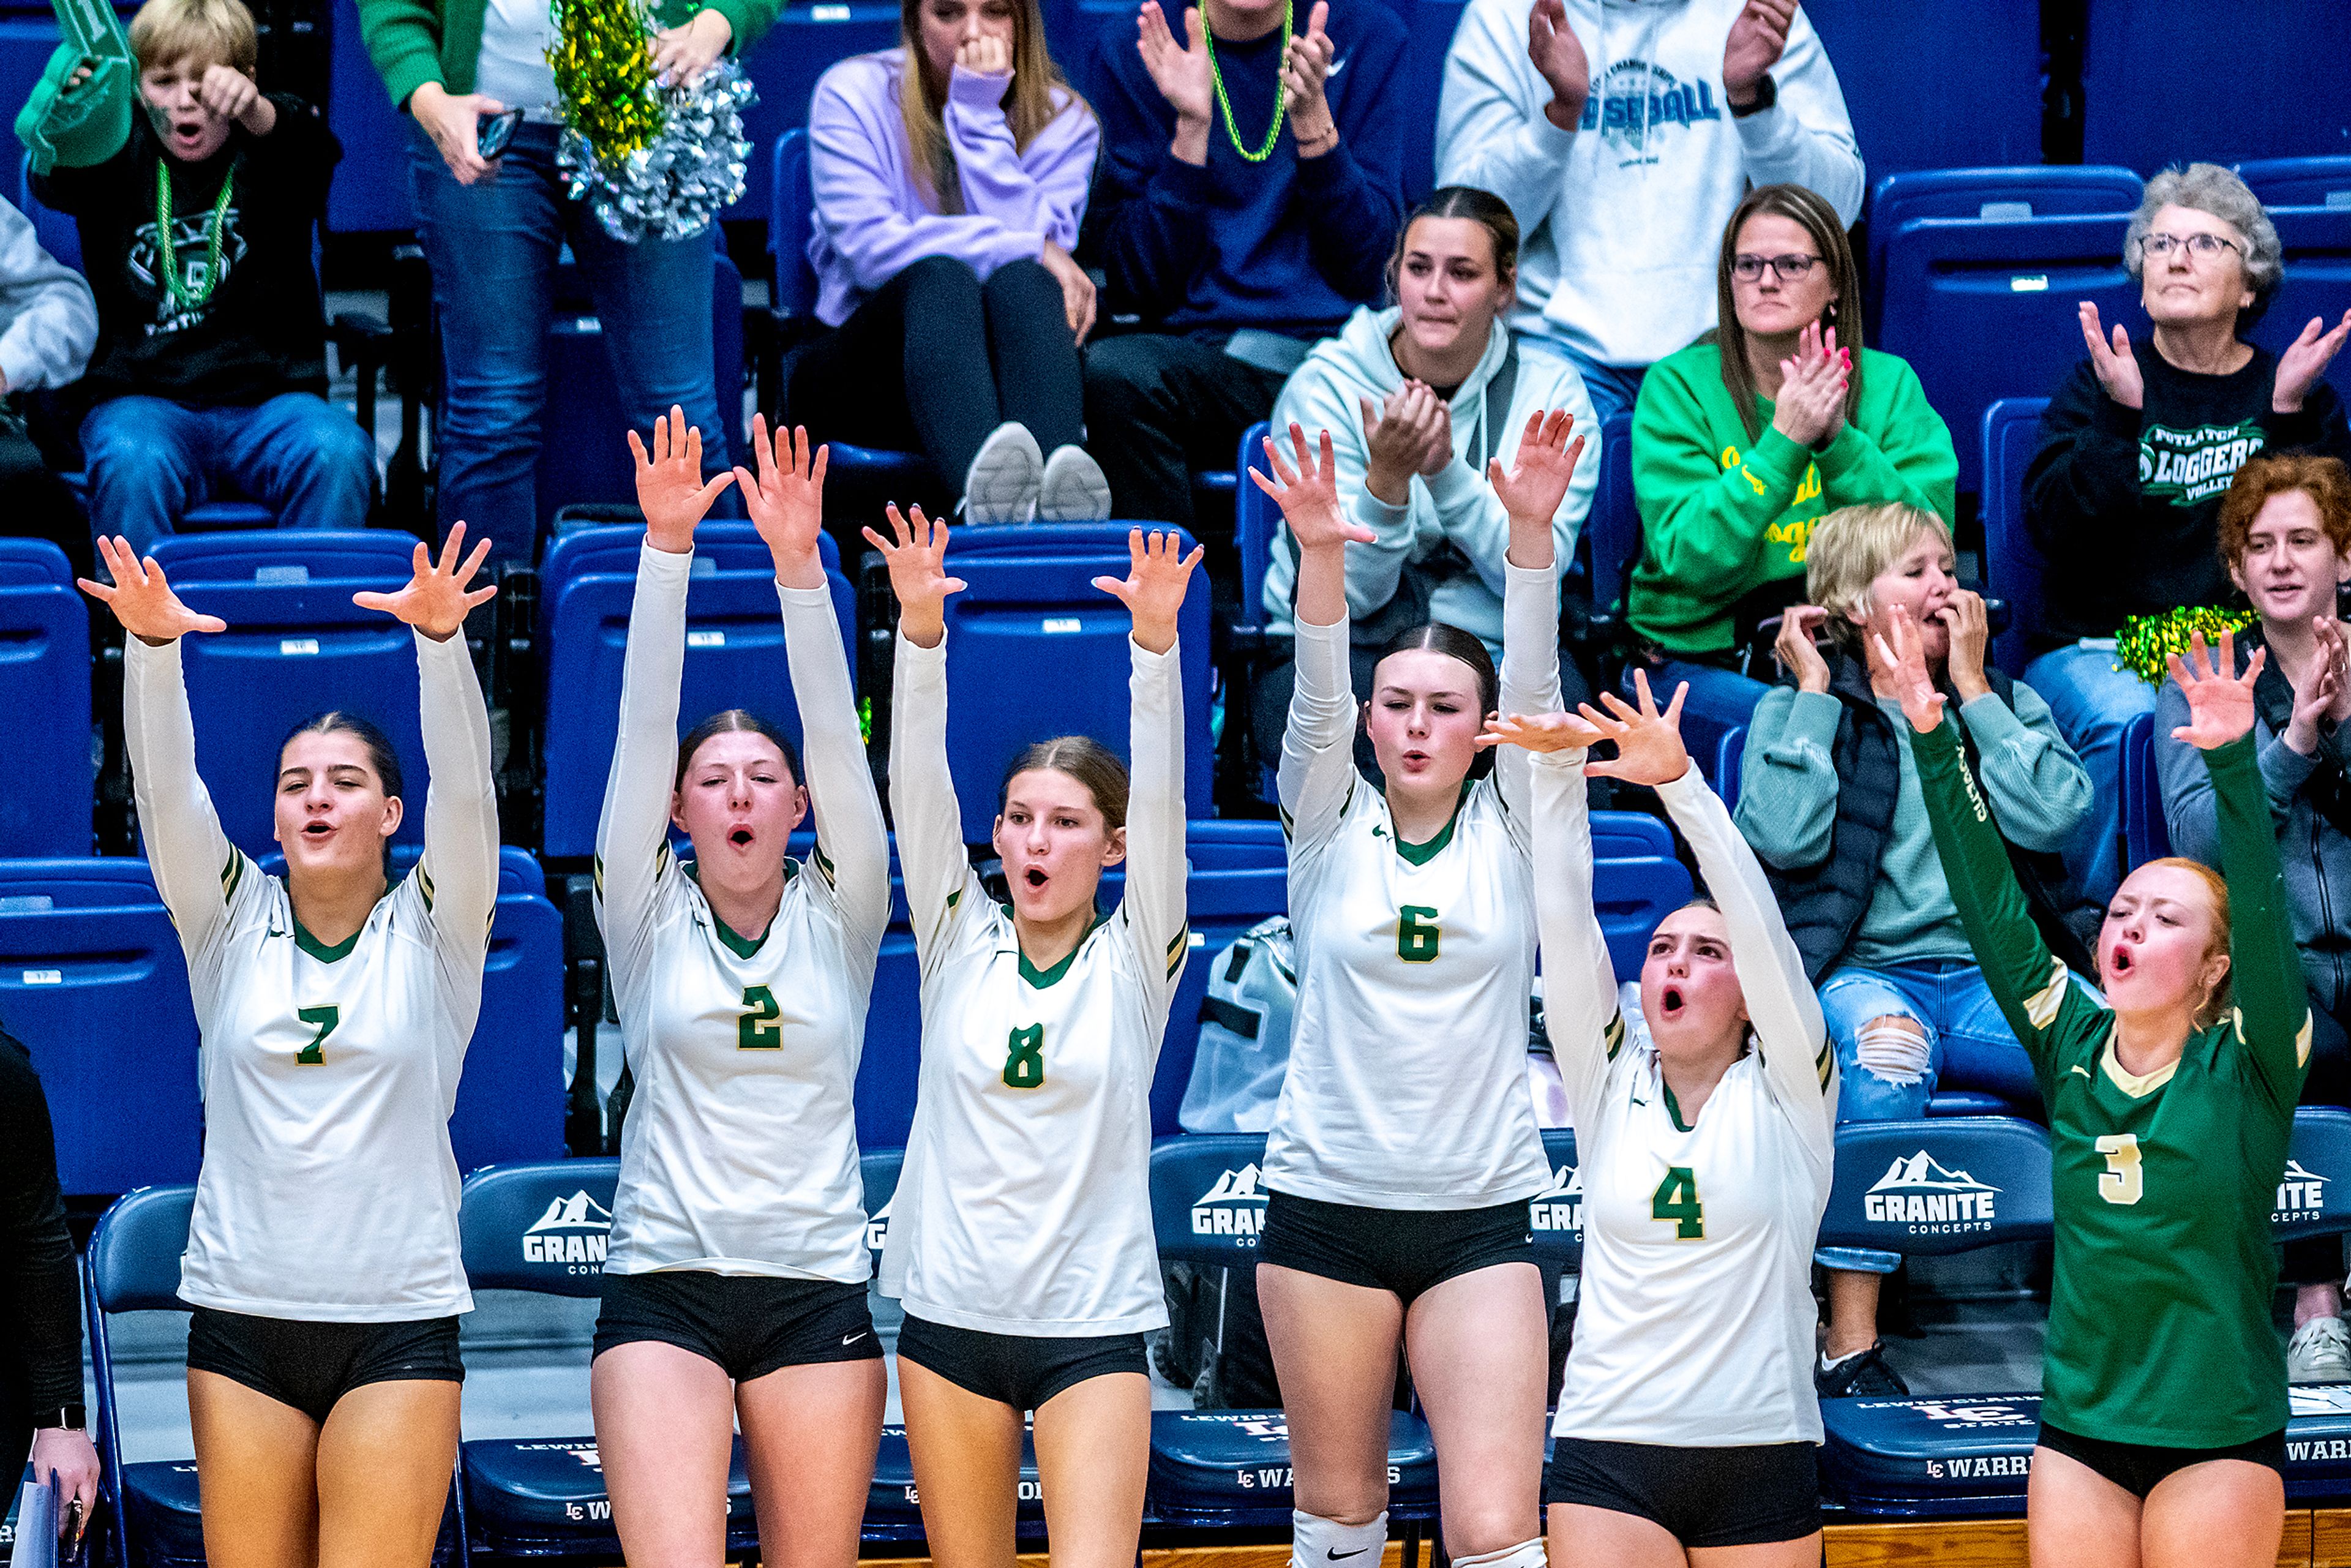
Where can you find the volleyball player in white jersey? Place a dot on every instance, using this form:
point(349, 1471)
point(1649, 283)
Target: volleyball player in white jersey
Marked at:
point(735, 1288)
point(1404, 1147)
point(323, 1260)
point(1687, 1426)
point(1020, 1236)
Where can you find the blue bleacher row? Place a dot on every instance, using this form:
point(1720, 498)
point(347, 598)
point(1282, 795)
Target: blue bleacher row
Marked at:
point(542, 1228)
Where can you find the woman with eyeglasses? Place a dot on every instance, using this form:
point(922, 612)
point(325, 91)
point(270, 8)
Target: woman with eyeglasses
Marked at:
point(1764, 425)
point(2137, 448)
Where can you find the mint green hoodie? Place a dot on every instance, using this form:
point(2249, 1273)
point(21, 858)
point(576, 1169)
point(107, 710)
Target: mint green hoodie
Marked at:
point(1721, 516)
point(416, 41)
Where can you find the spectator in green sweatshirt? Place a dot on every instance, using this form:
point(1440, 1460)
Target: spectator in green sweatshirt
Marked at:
point(1741, 441)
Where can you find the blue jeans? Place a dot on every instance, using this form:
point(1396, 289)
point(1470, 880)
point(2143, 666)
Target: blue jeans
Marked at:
point(493, 248)
point(2091, 702)
point(1613, 389)
point(150, 459)
point(1965, 1036)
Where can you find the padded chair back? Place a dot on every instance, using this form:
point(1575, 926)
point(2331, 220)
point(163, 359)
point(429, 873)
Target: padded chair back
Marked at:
point(543, 1227)
point(370, 191)
point(1036, 650)
point(134, 1252)
point(802, 43)
point(2314, 1195)
point(1729, 765)
point(92, 979)
point(1555, 1215)
point(1256, 519)
point(2145, 835)
point(1990, 194)
point(735, 653)
point(2322, 182)
point(1630, 835)
point(2012, 567)
point(1613, 524)
point(880, 1169)
point(1949, 1184)
point(46, 779)
point(1984, 309)
point(1206, 1208)
point(1630, 897)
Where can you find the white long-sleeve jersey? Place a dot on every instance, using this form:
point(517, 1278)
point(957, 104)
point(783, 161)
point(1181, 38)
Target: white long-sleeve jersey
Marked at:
point(327, 1192)
point(740, 1155)
point(1695, 1322)
point(1024, 1207)
point(1408, 1084)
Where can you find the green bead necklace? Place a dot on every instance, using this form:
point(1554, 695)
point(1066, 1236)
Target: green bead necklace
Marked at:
point(1281, 104)
point(168, 253)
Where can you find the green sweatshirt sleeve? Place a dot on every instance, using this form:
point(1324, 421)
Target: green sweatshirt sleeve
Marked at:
point(2271, 1010)
point(2032, 987)
point(750, 19)
point(1905, 453)
point(403, 40)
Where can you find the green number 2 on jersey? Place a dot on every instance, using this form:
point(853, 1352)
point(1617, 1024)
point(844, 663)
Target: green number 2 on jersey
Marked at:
point(1416, 934)
point(1675, 1199)
point(1024, 1058)
point(326, 1018)
point(757, 1029)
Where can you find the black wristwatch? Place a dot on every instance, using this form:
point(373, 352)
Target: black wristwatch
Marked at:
point(1766, 95)
point(68, 1416)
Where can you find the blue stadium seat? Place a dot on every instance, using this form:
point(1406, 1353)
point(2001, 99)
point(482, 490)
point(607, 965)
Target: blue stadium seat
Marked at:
point(2145, 835)
point(1986, 193)
point(1239, 876)
point(1034, 650)
point(2309, 200)
point(2323, 182)
point(733, 652)
point(544, 1229)
point(134, 1267)
point(370, 192)
point(1985, 308)
point(2147, 102)
point(1729, 764)
point(1630, 835)
point(792, 290)
point(2011, 566)
point(296, 646)
point(585, 458)
point(1613, 527)
point(84, 946)
point(1231, 1468)
point(46, 775)
point(1256, 521)
point(1980, 104)
point(1631, 896)
point(784, 66)
point(1555, 1215)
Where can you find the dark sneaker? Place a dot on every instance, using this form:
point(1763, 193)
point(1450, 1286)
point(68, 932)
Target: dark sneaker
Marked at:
point(1859, 1376)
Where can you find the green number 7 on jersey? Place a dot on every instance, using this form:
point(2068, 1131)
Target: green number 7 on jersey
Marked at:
point(326, 1018)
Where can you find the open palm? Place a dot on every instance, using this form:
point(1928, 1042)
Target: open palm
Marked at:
point(787, 500)
point(1153, 590)
point(1545, 466)
point(1902, 652)
point(1649, 748)
point(916, 557)
point(140, 597)
point(436, 599)
point(670, 491)
point(2220, 704)
point(1308, 494)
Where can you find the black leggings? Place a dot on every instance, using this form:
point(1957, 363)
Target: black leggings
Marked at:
point(934, 360)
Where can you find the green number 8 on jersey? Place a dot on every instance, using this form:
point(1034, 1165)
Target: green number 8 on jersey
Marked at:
point(1024, 1058)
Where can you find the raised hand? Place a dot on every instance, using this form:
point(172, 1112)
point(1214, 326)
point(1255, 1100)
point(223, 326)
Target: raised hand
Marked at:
point(1180, 71)
point(2220, 704)
point(2304, 361)
point(1541, 732)
point(670, 491)
point(1649, 748)
point(1559, 59)
point(2317, 689)
point(140, 598)
point(1153, 590)
point(1543, 466)
point(1795, 651)
point(785, 502)
point(1309, 494)
point(1303, 71)
point(2117, 369)
point(436, 600)
point(1902, 654)
point(1756, 39)
point(918, 575)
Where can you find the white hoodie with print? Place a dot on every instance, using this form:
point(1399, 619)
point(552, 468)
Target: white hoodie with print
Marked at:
point(1622, 217)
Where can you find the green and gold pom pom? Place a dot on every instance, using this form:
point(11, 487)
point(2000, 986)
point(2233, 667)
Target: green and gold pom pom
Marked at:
point(604, 70)
point(2146, 641)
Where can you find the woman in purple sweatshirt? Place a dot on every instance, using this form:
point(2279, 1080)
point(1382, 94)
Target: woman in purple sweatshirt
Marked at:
point(950, 175)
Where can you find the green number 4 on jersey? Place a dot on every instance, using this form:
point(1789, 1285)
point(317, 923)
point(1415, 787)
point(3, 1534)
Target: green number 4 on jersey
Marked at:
point(1676, 1200)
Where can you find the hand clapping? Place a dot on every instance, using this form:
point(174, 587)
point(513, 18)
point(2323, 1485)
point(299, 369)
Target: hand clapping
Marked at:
point(1810, 409)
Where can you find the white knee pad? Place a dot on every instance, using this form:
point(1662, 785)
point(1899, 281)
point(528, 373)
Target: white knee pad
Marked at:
point(1318, 1543)
point(1525, 1554)
point(1893, 1049)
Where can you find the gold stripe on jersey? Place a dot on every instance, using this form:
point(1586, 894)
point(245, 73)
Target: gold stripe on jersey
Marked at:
point(2041, 1006)
point(231, 874)
point(598, 877)
point(1613, 1035)
point(1175, 949)
point(424, 885)
point(823, 863)
point(1822, 1061)
point(2301, 1040)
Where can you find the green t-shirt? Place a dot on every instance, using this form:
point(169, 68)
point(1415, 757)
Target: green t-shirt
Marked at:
point(2159, 1328)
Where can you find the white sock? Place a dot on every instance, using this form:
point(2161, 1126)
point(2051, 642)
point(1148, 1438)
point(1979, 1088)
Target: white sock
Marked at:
point(1525, 1554)
point(1829, 1365)
point(1318, 1543)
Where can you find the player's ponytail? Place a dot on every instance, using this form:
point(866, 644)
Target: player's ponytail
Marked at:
point(1083, 758)
point(730, 719)
point(1436, 637)
point(380, 756)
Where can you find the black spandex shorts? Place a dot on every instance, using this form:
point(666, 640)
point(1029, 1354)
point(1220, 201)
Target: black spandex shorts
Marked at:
point(750, 1326)
point(1023, 1371)
point(309, 1366)
point(1405, 1251)
point(1703, 1496)
point(2136, 1467)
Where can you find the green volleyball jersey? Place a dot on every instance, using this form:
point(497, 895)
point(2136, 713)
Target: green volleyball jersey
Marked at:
point(2159, 1327)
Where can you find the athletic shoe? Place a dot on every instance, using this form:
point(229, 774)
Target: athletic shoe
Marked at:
point(2320, 1351)
point(1075, 490)
point(1002, 485)
point(1864, 1375)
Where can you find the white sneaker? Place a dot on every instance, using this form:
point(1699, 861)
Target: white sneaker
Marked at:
point(2320, 1351)
point(1002, 485)
point(1075, 490)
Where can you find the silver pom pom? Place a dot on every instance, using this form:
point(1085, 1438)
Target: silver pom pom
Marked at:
point(675, 188)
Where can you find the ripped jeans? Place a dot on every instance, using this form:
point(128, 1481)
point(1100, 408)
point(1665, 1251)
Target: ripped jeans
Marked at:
point(1888, 1072)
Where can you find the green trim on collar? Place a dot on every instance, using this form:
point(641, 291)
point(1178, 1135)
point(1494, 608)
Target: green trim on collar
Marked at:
point(319, 950)
point(740, 946)
point(1673, 1107)
point(1421, 854)
point(1042, 979)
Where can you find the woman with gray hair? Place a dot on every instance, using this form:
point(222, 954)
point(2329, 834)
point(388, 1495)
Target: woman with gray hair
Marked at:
point(2138, 449)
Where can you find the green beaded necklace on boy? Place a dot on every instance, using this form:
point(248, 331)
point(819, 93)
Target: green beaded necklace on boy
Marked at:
point(1274, 131)
point(167, 258)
